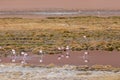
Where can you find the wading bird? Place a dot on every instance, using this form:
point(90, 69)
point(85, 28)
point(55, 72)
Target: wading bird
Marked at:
point(67, 51)
point(60, 49)
point(84, 37)
point(86, 61)
point(24, 57)
point(67, 48)
point(85, 57)
point(67, 55)
point(14, 55)
point(59, 57)
point(41, 56)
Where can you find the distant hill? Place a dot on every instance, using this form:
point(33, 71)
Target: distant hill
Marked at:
point(59, 4)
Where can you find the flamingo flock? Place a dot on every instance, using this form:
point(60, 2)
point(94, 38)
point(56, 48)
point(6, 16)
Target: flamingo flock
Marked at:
point(24, 57)
point(65, 50)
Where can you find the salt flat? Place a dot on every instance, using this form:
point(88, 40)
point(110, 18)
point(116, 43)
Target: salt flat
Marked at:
point(18, 72)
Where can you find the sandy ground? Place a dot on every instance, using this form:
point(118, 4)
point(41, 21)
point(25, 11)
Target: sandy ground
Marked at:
point(59, 4)
point(75, 58)
point(18, 72)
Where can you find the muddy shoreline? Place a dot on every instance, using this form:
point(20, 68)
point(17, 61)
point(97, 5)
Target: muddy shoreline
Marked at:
point(18, 72)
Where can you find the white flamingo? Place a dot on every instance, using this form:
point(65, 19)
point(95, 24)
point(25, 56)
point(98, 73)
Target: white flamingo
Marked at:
point(86, 53)
point(67, 48)
point(41, 55)
point(85, 37)
point(67, 52)
point(86, 61)
point(14, 55)
point(60, 49)
point(41, 60)
point(40, 51)
point(24, 57)
point(59, 57)
point(85, 57)
point(67, 55)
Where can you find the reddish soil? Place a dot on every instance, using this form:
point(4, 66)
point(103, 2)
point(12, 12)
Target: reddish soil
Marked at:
point(59, 4)
point(76, 58)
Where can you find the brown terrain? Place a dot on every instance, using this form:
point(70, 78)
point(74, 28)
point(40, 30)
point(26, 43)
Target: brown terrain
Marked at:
point(11, 5)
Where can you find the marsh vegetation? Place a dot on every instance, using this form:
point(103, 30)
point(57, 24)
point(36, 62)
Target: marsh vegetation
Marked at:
point(102, 33)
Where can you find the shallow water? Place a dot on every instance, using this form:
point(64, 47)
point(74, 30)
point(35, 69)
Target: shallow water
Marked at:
point(47, 13)
point(75, 58)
